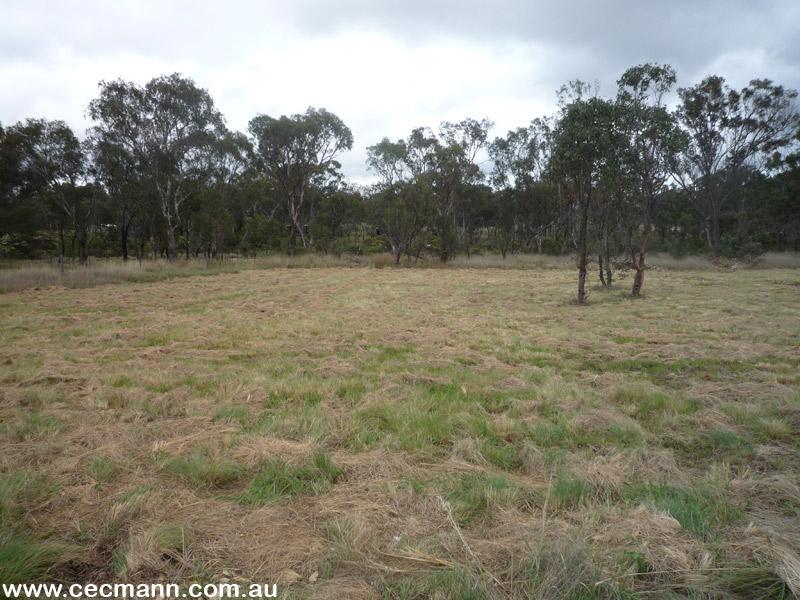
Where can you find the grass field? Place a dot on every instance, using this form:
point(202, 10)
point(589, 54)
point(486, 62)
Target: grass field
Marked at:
point(407, 433)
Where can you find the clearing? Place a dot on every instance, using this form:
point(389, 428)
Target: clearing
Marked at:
point(407, 433)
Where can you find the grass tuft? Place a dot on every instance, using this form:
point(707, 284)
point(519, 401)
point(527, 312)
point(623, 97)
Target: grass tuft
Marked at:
point(203, 470)
point(277, 480)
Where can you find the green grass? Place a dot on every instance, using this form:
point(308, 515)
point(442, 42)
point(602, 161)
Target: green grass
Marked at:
point(699, 510)
point(26, 560)
point(474, 495)
point(670, 371)
point(20, 490)
point(36, 425)
point(753, 583)
point(103, 469)
point(233, 414)
point(201, 469)
point(277, 480)
point(461, 383)
point(123, 381)
point(22, 557)
point(303, 422)
point(563, 569)
point(558, 433)
point(451, 584)
point(567, 491)
point(650, 407)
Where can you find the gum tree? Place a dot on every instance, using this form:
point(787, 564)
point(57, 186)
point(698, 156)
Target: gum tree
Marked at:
point(584, 136)
point(168, 129)
point(53, 163)
point(402, 197)
point(297, 152)
point(729, 131)
point(653, 144)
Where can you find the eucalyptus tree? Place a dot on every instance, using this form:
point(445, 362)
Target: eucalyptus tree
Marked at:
point(213, 218)
point(402, 198)
point(452, 162)
point(525, 207)
point(168, 128)
point(654, 142)
point(585, 135)
point(53, 162)
point(15, 215)
point(117, 170)
point(297, 152)
point(727, 132)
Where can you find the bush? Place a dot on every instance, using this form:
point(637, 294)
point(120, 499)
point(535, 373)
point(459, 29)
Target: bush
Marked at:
point(747, 249)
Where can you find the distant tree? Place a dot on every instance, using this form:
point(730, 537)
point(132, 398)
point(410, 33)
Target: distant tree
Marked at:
point(297, 152)
point(653, 145)
point(119, 172)
point(525, 209)
point(338, 215)
point(728, 131)
point(452, 167)
point(402, 200)
point(230, 164)
point(53, 162)
point(391, 162)
point(168, 129)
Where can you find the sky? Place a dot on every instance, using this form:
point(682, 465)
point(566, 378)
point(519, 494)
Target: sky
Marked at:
point(384, 67)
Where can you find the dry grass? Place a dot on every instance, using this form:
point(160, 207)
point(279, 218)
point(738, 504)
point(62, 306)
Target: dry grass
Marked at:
point(407, 433)
point(20, 275)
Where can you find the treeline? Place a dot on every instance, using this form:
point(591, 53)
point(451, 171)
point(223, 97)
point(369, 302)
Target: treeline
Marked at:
point(160, 174)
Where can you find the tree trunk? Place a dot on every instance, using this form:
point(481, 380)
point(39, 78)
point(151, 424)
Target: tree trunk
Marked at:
point(600, 265)
point(172, 246)
point(638, 279)
point(582, 251)
point(83, 254)
point(62, 256)
point(125, 242)
point(582, 279)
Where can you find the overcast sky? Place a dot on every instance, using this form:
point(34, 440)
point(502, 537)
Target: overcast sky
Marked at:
point(383, 66)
